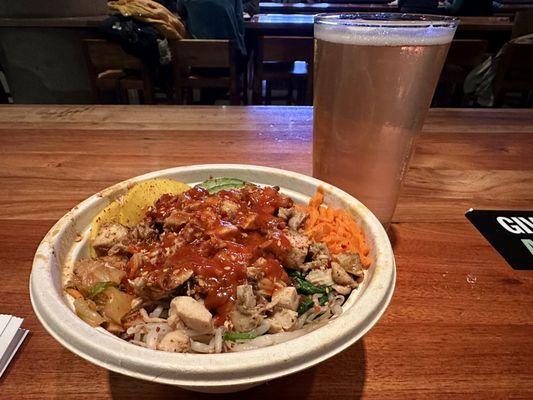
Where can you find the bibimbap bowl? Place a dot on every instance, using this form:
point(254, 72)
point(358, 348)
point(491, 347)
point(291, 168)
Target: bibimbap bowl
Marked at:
point(67, 242)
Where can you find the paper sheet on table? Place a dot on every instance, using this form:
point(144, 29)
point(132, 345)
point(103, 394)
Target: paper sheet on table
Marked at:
point(11, 337)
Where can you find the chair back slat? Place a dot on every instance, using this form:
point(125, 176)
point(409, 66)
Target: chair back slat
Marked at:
point(205, 63)
point(518, 62)
point(523, 23)
point(111, 68)
point(108, 55)
point(466, 53)
point(286, 48)
point(514, 72)
point(201, 53)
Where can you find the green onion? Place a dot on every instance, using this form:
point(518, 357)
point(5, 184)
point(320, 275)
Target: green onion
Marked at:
point(99, 287)
point(306, 304)
point(233, 336)
point(217, 184)
point(305, 287)
point(296, 274)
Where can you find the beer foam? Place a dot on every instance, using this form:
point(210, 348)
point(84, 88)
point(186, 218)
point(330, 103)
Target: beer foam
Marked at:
point(385, 35)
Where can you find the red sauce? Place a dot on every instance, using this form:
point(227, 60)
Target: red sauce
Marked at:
point(224, 235)
point(274, 271)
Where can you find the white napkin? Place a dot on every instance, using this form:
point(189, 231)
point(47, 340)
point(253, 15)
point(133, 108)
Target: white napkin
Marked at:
point(11, 337)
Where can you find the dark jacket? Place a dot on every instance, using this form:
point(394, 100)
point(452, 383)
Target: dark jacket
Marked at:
point(471, 7)
point(418, 6)
point(214, 19)
point(250, 6)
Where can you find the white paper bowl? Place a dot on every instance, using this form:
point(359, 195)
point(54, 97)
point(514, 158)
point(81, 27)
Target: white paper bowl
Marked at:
point(227, 372)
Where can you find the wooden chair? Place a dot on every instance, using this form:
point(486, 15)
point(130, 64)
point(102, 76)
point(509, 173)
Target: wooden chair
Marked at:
point(523, 23)
point(4, 93)
point(112, 69)
point(463, 56)
point(206, 64)
point(514, 73)
point(276, 60)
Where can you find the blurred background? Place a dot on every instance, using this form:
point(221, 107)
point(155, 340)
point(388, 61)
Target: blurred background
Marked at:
point(235, 51)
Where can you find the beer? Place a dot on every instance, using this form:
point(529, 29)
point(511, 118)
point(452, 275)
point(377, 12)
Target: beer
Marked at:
point(373, 87)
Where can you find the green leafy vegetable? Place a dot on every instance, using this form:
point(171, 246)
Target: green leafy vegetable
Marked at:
point(305, 287)
point(233, 336)
point(99, 287)
point(294, 273)
point(306, 304)
point(217, 184)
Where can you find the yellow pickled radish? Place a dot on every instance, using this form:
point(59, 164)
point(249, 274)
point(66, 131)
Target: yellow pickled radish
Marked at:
point(143, 195)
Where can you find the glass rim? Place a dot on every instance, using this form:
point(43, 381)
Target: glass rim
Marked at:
point(386, 20)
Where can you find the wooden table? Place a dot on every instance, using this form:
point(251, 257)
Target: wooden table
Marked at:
point(461, 320)
point(511, 8)
point(302, 24)
point(507, 9)
point(485, 24)
point(313, 8)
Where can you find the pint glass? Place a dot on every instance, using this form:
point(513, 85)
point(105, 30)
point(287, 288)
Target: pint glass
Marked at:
point(375, 75)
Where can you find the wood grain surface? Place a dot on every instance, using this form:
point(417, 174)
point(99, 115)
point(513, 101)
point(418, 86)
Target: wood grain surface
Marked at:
point(461, 320)
point(291, 23)
point(477, 24)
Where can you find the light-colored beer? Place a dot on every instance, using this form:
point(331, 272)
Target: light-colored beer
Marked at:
point(372, 92)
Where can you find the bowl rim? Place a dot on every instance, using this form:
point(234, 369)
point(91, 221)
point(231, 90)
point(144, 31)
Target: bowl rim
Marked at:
point(209, 370)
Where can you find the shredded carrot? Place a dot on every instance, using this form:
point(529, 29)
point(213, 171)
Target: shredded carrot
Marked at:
point(336, 228)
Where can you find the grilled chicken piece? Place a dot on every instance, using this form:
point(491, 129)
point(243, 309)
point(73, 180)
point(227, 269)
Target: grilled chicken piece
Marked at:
point(108, 236)
point(142, 232)
point(245, 322)
point(351, 263)
point(283, 320)
point(176, 341)
point(294, 217)
point(247, 221)
point(191, 231)
point(176, 220)
point(227, 231)
point(245, 299)
point(178, 278)
point(297, 220)
point(300, 244)
point(193, 314)
point(320, 257)
point(255, 271)
point(159, 283)
point(247, 315)
point(319, 252)
point(286, 297)
point(341, 277)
